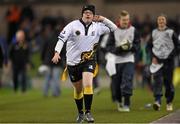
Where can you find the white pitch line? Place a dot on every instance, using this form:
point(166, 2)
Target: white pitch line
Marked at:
point(171, 114)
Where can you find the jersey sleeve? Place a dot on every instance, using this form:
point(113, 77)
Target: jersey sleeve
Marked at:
point(65, 33)
point(107, 26)
point(63, 37)
point(103, 29)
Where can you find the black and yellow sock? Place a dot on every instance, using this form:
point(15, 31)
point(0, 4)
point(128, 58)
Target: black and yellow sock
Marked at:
point(79, 101)
point(88, 97)
point(79, 104)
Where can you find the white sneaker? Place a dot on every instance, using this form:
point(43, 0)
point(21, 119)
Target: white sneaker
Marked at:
point(156, 106)
point(169, 107)
point(89, 118)
point(80, 118)
point(119, 105)
point(124, 109)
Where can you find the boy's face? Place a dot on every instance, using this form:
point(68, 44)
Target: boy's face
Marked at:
point(124, 21)
point(161, 21)
point(87, 16)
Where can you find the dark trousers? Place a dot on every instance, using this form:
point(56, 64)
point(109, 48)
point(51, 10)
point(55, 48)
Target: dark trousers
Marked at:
point(19, 78)
point(146, 75)
point(122, 81)
point(164, 77)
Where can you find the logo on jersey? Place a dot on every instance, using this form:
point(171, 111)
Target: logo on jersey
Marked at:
point(91, 67)
point(72, 77)
point(78, 32)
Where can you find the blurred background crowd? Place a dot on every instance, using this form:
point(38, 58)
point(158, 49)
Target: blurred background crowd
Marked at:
point(41, 22)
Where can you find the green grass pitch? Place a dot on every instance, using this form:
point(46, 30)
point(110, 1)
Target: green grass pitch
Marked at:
point(33, 107)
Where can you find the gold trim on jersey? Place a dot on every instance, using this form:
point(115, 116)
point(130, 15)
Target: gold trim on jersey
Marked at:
point(65, 73)
point(85, 56)
point(88, 55)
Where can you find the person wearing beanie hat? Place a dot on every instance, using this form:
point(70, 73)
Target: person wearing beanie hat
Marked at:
point(89, 7)
point(81, 37)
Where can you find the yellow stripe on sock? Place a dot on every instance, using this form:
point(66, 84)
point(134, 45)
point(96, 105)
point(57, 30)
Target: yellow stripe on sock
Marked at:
point(88, 90)
point(78, 95)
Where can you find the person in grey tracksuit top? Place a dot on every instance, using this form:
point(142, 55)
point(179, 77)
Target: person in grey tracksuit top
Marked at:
point(164, 47)
point(122, 45)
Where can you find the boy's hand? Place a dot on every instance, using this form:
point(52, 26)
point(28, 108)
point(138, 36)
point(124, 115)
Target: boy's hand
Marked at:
point(56, 58)
point(154, 60)
point(98, 18)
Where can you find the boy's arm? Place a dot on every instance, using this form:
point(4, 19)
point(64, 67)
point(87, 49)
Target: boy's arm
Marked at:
point(107, 26)
point(63, 36)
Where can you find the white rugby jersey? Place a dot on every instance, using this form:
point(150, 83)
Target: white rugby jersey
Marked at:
point(81, 38)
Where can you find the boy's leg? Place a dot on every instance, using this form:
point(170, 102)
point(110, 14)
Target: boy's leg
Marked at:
point(75, 75)
point(78, 97)
point(88, 90)
point(116, 81)
point(88, 94)
point(157, 89)
point(127, 83)
point(87, 80)
point(169, 87)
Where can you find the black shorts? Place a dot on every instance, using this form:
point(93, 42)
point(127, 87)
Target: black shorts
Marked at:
point(75, 72)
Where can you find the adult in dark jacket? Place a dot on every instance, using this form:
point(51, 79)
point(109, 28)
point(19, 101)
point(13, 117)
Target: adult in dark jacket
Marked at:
point(52, 75)
point(19, 55)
